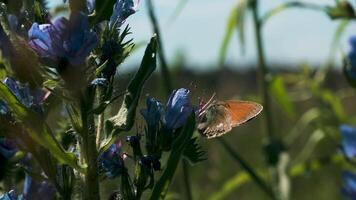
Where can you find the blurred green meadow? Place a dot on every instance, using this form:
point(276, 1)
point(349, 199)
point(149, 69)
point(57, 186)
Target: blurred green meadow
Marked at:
point(304, 117)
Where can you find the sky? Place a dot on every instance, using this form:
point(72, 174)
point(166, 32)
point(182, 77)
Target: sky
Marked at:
point(292, 37)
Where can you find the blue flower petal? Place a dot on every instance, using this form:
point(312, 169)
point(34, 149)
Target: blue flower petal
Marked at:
point(121, 11)
point(351, 71)
point(348, 134)
point(152, 113)
point(349, 189)
point(23, 94)
point(64, 39)
point(178, 109)
point(11, 195)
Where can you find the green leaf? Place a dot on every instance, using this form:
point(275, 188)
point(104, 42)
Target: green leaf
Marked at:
point(161, 187)
point(292, 4)
point(193, 152)
point(37, 128)
point(236, 19)
point(124, 119)
point(279, 93)
point(103, 11)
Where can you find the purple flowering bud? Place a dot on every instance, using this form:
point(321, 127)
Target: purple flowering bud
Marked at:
point(349, 189)
point(7, 148)
point(111, 161)
point(152, 113)
point(348, 134)
point(64, 41)
point(34, 190)
point(121, 11)
point(178, 109)
point(151, 162)
point(133, 140)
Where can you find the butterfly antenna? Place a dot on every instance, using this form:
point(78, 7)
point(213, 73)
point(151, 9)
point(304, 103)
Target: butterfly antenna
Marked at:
point(202, 109)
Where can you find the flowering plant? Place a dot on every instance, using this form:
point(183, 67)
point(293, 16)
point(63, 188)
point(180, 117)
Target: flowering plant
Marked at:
point(69, 75)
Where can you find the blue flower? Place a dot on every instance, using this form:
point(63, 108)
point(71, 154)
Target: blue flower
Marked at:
point(29, 98)
point(349, 189)
point(22, 93)
point(11, 196)
point(34, 190)
point(64, 41)
point(111, 162)
point(121, 11)
point(152, 113)
point(178, 109)
point(348, 134)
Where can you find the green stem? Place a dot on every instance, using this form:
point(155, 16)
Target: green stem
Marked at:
point(167, 82)
point(161, 187)
point(90, 152)
point(258, 180)
point(263, 86)
point(262, 70)
point(188, 190)
point(162, 58)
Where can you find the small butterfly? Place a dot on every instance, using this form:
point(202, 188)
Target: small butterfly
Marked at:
point(219, 117)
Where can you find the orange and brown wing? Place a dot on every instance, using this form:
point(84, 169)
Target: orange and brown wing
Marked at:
point(242, 111)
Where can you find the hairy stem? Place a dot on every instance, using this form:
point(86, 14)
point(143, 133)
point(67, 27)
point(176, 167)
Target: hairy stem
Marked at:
point(90, 152)
point(188, 190)
point(263, 86)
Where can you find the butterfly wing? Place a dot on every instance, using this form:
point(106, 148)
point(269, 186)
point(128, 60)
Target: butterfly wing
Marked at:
point(215, 121)
point(220, 117)
point(242, 111)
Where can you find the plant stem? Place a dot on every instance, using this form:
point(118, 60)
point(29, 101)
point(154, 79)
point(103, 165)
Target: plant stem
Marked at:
point(262, 70)
point(160, 189)
point(100, 129)
point(167, 82)
point(260, 182)
point(90, 152)
point(188, 190)
point(162, 58)
point(263, 86)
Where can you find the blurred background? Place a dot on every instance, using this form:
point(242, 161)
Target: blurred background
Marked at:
point(310, 98)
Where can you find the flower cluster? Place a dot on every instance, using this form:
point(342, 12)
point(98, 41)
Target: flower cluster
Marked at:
point(67, 42)
point(65, 49)
point(173, 116)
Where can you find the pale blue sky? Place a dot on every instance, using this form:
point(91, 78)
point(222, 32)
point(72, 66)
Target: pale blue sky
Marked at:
point(294, 36)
